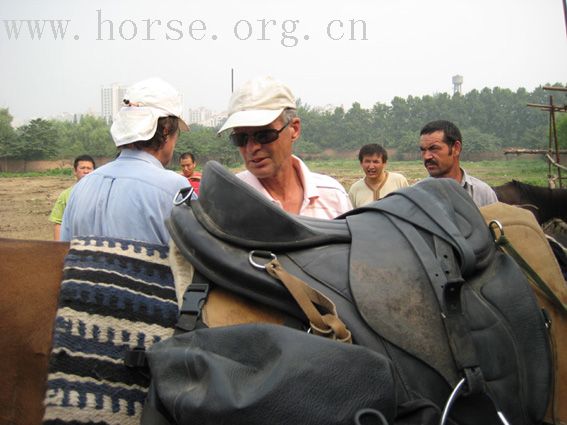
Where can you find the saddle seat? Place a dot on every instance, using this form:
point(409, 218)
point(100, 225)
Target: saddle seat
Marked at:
point(239, 214)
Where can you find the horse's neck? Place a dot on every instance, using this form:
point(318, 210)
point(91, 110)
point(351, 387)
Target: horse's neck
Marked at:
point(551, 203)
point(558, 203)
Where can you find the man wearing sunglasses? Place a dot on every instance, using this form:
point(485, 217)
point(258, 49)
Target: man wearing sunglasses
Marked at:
point(265, 125)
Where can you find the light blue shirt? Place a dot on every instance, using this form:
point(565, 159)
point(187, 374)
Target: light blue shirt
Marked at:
point(481, 192)
point(128, 198)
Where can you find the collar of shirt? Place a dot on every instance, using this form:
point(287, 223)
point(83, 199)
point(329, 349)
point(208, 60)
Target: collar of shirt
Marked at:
point(310, 189)
point(466, 181)
point(135, 154)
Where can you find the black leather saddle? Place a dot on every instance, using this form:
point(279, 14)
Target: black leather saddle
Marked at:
point(415, 276)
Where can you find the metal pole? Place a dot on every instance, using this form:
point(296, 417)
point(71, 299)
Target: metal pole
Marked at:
point(232, 78)
point(555, 141)
point(565, 13)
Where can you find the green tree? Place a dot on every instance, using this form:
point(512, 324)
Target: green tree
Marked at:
point(475, 140)
point(37, 140)
point(92, 136)
point(561, 124)
point(7, 134)
point(204, 143)
point(357, 127)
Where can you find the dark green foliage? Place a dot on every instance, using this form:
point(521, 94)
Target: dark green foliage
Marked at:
point(490, 120)
point(7, 133)
point(36, 140)
point(204, 143)
point(561, 123)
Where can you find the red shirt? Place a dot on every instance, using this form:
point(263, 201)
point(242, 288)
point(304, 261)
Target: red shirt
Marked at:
point(195, 181)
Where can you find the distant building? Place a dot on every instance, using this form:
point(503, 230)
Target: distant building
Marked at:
point(199, 115)
point(66, 117)
point(215, 120)
point(205, 117)
point(328, 108)
point(111, 98)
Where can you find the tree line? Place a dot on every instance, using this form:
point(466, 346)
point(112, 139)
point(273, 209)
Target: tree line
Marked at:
point(490, 120)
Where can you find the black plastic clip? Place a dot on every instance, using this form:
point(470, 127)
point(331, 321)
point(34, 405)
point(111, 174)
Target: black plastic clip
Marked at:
point(193, 301)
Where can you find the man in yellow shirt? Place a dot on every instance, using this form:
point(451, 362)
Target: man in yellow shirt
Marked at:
point(82, 166)
point(378, 182)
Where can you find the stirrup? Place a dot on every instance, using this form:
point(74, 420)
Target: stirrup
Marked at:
point(455, 394)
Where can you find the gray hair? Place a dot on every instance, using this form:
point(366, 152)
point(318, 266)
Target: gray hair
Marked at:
point(288, 114)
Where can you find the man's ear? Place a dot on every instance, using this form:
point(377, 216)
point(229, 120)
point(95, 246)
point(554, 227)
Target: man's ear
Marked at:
point(457, 147)
point(295, 125)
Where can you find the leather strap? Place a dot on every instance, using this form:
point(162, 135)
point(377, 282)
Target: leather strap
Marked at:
point(329, 324)
point(446, 282)
point(504, 243)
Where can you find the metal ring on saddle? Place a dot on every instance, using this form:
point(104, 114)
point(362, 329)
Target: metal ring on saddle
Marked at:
point(185, 193)
point(365, 416)
point(496, 224)
point(268, 255)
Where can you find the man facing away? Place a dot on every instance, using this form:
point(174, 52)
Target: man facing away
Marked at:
point(441, 144)
point(187, 163)
point(265, 126)
point(377, 182)
point(132, 196)
point(83, 165)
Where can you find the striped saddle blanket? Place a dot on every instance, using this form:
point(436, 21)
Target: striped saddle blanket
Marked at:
point(115, 295)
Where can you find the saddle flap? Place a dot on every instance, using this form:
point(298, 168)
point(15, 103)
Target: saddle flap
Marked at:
point(441, 207)
point(393, 293)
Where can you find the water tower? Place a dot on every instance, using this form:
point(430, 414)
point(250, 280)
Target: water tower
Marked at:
point(457, 83)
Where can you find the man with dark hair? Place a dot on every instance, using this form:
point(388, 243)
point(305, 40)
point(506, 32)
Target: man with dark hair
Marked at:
point(83, 165)
point(132, 196)
point(441, 144)
point(378, 182)
point(188, 164)
point(265, 126)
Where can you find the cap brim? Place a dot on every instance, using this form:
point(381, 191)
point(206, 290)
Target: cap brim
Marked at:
point(256, 118)
point(183, 125)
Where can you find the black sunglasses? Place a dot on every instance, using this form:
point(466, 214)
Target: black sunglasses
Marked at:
point(262, 137)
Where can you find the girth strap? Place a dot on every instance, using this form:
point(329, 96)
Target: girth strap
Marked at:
point(446, 281)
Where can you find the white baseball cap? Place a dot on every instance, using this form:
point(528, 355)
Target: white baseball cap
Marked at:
point(146, 102)
point(258, 102)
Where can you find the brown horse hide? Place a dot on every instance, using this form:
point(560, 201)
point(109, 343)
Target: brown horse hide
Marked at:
point(529, 240)
point(30, 275)
point(543, 202)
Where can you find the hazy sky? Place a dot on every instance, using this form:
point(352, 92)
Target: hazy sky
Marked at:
point(395, 48)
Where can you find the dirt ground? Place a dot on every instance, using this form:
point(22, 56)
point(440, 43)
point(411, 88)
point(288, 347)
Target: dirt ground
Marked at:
point(25, 205)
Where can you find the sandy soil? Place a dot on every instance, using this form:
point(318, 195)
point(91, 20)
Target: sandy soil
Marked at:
point(25, 205)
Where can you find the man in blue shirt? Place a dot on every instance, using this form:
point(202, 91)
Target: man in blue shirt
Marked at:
point(132, 196)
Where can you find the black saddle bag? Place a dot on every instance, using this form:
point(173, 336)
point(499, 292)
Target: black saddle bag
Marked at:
point(415, 277)
point(268, 374)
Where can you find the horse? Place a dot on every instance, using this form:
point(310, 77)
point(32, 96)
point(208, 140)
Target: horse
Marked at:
point(30, 275)
point(222, 308)
point(545, 203)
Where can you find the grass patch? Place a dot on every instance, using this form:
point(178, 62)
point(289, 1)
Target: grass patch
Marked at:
point(492, 172)
point(55, 172)
point(347, 171)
